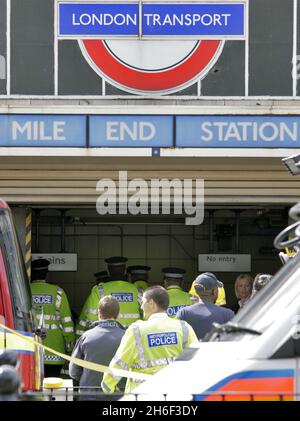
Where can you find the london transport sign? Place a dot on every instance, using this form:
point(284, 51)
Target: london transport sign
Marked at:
point(151, 47)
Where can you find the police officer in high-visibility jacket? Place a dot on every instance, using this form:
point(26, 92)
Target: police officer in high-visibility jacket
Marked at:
point(126, 293)
point(53, 302)
point(150, 345)
point(139, 276)
point(173, 279)
point(221, 300)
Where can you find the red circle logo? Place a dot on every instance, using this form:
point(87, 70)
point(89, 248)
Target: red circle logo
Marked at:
point(151, 67)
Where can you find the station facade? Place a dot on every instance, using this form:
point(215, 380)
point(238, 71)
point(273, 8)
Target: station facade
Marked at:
point(77, 107)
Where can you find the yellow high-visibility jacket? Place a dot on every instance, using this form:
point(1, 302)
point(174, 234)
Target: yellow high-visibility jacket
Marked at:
point(178, 299)
point(147, 347)
point(127, 295)
point(58, 319)
point(141, 285)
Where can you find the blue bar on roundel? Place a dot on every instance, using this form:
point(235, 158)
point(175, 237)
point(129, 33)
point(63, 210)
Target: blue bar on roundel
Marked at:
point(192, 19)
point(98, 19)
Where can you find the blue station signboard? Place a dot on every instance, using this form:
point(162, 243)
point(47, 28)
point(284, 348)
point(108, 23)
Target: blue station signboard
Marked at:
point(150, 131)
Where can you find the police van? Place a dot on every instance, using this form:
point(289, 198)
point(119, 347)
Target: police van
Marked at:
point(256, 356)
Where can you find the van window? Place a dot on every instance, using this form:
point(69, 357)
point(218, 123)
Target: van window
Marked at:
point(289, 349)
point(15, 269)
point(270, 303)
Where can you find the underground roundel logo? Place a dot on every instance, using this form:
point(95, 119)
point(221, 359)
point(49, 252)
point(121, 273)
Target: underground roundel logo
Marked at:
point(151, 47)
point(150, 67)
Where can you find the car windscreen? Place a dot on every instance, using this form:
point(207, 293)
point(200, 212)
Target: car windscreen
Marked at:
point(270, 303)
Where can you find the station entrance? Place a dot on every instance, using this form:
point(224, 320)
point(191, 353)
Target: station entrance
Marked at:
point(246, 202)
point(156, 242)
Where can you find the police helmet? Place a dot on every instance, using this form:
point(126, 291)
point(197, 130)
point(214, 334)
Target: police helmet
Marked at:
point(173, 272)
point(40, 264)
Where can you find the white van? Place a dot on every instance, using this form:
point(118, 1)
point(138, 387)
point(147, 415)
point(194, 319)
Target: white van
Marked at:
point(254, 357)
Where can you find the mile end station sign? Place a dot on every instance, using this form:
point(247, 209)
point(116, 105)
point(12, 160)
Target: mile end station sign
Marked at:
point(150, 131)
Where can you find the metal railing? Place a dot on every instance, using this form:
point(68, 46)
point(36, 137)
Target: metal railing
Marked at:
point(96, 394)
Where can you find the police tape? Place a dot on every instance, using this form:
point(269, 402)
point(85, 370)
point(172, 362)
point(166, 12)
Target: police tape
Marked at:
point(82, 363)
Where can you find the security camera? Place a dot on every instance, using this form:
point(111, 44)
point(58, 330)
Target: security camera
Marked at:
point(292, 163)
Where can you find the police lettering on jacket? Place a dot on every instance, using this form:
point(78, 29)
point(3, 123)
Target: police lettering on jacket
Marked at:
point(160, 339)
point(173, 310)
point(123, 297)
point(42, 299)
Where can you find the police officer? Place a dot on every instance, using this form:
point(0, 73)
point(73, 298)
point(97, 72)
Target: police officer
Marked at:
point(139, 276)
point(150, 345)
point(117, 286)
point(57, 316)
point(221, 300)
point(173, 279)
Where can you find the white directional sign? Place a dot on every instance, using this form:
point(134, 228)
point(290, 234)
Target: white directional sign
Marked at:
point(224, 262)
point(60, 262)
